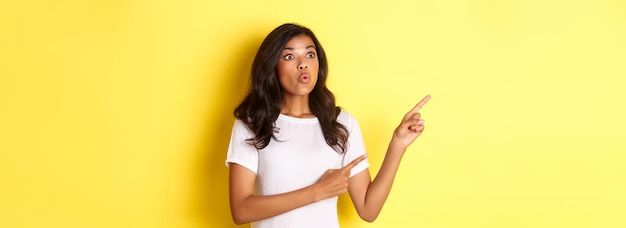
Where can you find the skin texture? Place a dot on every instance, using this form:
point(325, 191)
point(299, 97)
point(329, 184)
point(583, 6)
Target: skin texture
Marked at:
point(299, 62)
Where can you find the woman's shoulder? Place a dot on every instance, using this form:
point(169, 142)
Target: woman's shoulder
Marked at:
point(345, 118)
point(239, 123)
point(242, 127)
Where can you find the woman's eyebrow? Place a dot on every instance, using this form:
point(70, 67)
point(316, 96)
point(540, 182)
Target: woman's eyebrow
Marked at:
point(307, 47)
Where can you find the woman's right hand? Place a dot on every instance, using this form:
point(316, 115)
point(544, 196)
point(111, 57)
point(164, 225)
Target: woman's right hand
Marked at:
point(334, 182)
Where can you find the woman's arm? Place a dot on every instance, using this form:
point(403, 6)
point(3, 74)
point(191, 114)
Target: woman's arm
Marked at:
point(369, 196)
point(247, 207)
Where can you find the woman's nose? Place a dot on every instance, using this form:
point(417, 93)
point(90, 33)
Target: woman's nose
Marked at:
point(303, 67)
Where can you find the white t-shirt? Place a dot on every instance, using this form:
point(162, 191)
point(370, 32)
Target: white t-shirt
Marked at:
point(296, 160)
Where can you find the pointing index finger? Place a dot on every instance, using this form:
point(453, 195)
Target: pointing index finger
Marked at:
point(421, 103)
point(355, 162)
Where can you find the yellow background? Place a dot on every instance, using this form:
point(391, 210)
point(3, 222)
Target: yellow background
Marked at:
point(118, 113)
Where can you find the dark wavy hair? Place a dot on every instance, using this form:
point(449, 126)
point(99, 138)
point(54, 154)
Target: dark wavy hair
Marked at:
point(261, 106)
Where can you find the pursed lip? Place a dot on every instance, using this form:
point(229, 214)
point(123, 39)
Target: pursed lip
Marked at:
point(304, 77)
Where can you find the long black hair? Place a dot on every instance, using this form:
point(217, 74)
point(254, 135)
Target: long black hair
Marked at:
point(261, 106)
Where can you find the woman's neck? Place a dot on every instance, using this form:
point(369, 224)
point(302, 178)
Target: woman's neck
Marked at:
point(296, 107)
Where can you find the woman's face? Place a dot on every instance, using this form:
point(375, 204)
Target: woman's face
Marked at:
point(298, 66)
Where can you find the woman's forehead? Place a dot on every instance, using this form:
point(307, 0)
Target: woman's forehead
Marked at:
point(300, 42)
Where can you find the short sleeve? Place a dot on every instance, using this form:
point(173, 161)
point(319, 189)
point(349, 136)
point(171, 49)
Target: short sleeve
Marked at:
point(239, 151)
point(356, 146)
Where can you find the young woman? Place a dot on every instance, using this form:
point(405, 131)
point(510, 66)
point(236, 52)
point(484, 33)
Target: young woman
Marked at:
point(293, 151)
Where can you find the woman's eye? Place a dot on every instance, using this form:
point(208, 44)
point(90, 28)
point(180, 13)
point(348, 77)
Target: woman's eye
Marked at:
point(289, 57)
point(310, 55)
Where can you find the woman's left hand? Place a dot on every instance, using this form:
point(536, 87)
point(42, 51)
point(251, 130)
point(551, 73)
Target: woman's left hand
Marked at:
point(411, 126)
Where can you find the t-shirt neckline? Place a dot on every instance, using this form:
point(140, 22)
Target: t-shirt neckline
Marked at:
point(300, 120)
